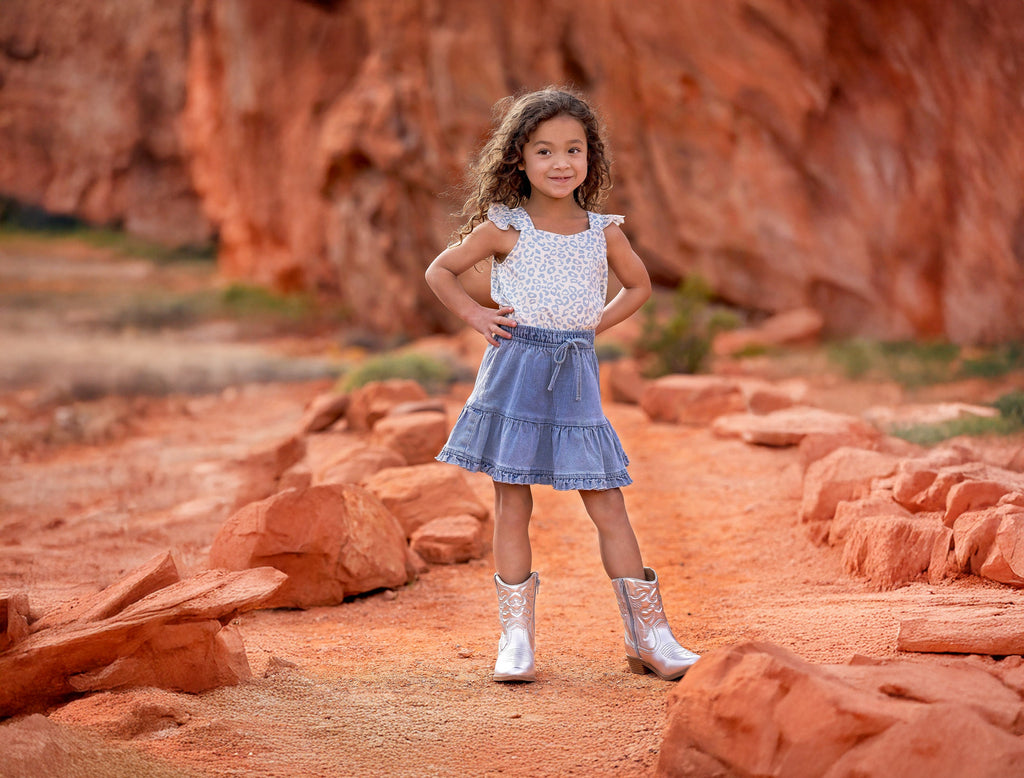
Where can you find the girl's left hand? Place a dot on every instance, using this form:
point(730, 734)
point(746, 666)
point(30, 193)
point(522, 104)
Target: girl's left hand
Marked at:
point(490, 324)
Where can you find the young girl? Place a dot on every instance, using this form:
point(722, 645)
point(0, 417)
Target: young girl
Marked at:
point(534, 416)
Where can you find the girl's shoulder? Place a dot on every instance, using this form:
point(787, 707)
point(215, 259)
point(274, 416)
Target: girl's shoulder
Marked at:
point(504, 217)
point(602, 220)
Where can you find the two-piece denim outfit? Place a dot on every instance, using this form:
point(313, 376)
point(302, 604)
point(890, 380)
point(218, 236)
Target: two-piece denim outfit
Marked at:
point(535, 414)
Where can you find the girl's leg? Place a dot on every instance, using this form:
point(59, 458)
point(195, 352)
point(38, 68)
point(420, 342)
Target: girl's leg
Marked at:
point(513, 506)
point(620, 551)
point(650, 644)
point(516, 585)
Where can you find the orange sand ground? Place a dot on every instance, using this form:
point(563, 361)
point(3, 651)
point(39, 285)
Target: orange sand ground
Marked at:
point(398, 683)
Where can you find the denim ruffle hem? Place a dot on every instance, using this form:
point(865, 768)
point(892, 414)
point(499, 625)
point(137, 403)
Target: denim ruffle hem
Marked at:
point(535, 415)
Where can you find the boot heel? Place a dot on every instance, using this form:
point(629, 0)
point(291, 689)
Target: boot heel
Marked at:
point(636, 665)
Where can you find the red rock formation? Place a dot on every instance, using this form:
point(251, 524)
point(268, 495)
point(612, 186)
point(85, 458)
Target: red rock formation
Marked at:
point(995, 631)
point(416, 436)
point(901, 518)
point(332, 541)
point(862, 159)
point(691, 399)
point(450, 540)
point(757, 709)
point(372, 402)
point(419, 494)
point(148, 629)
point(91, 97)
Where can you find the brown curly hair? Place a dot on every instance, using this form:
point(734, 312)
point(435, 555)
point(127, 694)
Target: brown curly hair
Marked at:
point(495, 176)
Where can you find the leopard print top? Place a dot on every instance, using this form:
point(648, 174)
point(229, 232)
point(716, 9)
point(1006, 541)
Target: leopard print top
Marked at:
point(553, 281)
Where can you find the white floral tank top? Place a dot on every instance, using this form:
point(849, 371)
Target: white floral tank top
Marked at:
point(554, 281)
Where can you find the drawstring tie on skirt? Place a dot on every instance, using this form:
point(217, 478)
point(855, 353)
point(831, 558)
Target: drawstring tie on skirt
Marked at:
point(559, 358)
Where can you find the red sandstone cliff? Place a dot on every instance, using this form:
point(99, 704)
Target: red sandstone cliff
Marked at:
point(91, 98)
point(863, 158)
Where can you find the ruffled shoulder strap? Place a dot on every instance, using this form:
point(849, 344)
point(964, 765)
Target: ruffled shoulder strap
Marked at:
point(602, 220)
point(505, 217)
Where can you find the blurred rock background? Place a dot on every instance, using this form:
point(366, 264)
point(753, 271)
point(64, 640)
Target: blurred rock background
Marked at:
point(864, 159)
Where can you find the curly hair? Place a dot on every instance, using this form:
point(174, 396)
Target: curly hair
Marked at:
point(495, 176)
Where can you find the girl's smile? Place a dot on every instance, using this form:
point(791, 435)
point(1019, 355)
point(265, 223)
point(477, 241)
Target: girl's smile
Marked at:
point(555, 157)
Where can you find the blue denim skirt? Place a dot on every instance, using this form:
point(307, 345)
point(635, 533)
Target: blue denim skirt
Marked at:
point(535, 415)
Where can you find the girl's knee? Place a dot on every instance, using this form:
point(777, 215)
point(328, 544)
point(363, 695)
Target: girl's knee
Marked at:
point(513, 507)
point(607, 501)
point(512, 490)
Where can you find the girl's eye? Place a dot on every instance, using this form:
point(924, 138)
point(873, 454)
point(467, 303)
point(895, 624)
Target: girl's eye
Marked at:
point(575, 150)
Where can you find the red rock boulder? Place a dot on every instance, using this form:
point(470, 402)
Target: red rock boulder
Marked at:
point(759, 710)
point(422, 493)
point(789, 426)
point(261, 469)
point(13, 618)
point(691, 399)
point(893, 550)
point(372, 402)
point(417, 437)
point(450, 540)
point(845, 474)
point(998, 631)
point(358, 464)
point(177, 636)
point(332, 541)
point(323, 411)
point(794, 327)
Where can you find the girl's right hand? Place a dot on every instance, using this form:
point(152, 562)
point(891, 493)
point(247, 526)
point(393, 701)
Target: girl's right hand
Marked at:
point(489, 323)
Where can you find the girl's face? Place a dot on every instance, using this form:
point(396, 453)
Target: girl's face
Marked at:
point(555, 158)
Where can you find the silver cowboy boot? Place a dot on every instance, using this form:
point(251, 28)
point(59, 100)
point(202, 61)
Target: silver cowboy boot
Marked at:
point(650, 644)
point(516, 646)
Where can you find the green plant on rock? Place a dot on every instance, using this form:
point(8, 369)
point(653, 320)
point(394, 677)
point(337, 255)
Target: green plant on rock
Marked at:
point(681, 341)
point(994, 362)
point(1011, 407)
point(923, 363)
point(909, 363)
point(1010, 421)
point(19, 219)
point(433, 374)
point(241, 300)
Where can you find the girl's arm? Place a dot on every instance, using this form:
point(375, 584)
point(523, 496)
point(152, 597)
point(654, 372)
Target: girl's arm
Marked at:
point(442, 276)
point(630, 270)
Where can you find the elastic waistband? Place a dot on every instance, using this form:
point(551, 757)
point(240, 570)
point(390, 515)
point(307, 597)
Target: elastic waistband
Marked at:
point(541, 336)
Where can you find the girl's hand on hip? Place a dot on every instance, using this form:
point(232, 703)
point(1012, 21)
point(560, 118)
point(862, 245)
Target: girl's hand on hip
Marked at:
point(489, 323)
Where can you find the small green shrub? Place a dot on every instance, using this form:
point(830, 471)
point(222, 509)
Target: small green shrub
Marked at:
point(248, 300)
point(914, 364)
point(128, 245)
point(22, 219)
point(681, 343)
point(1011, 407)
point(906, 362)
point(973, 426)
point(162, 312)
point(434, 375)
point(1009, 421)
point(854, 358)
point(996, 362)
point(261, 309)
